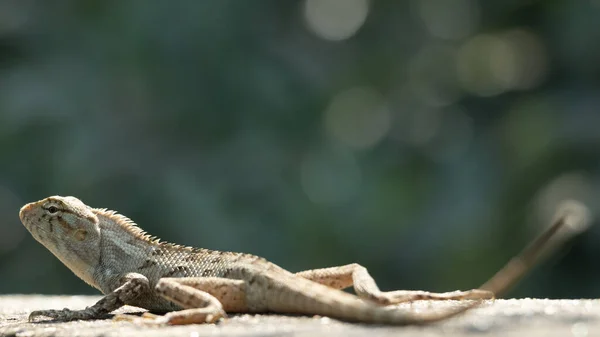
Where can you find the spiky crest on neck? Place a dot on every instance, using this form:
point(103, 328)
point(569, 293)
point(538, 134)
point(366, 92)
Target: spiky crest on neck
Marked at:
point(132, 228)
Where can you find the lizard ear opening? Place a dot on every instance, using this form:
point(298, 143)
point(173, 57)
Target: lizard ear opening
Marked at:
point(80, 234)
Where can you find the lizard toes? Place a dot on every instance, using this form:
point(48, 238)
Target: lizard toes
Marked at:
point(145, 319)
point(124, 317)
point(53, 314)
point(477, 294)
point(214, 318)
point(34, 315)
point(150, 315)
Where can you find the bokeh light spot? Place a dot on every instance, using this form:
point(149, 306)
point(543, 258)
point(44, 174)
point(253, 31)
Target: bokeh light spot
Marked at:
point(358, 117)
point(492, 64)
point(519, 62)
point(335, 20)
point(573, 185)
point(474, 65)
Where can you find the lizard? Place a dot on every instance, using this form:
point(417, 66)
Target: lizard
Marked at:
point(190, 285)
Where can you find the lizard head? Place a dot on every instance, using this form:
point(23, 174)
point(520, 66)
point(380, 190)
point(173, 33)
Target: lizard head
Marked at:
point(68, 228)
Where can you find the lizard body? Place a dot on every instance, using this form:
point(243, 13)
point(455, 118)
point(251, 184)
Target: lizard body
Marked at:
point(195, 285)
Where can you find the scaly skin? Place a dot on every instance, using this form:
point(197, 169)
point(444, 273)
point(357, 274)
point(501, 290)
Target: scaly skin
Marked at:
point(196, 285)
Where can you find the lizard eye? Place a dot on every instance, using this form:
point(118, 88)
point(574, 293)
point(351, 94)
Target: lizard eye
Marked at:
point(52, 209)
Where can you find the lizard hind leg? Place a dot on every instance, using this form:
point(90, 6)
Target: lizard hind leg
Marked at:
point(365, 287)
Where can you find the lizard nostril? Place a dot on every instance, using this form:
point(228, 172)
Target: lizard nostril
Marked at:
point(24, 211)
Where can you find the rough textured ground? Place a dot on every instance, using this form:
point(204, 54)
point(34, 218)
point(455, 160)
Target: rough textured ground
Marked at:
point(524, 317)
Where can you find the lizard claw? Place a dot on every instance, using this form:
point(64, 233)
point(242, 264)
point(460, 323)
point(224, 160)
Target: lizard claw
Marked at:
point(63, 314)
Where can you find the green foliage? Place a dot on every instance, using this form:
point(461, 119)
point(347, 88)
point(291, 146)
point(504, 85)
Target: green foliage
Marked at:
point(427, 140)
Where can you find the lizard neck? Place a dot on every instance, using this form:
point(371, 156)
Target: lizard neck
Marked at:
point(83, 270)
point(126, 248)
point(122, 244)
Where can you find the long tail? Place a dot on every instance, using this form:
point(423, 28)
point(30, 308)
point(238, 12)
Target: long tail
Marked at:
point(570, 219)
point(571, 216)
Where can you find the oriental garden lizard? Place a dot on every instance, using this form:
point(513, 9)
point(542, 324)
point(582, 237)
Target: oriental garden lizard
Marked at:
point(195, 285)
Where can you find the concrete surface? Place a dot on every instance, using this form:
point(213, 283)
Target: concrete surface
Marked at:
point(522, 317)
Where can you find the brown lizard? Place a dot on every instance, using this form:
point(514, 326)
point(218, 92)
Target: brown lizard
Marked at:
point(194, 285)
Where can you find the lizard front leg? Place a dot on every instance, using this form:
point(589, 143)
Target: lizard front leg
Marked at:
point(204, 299)
point(365, 287)
point(133, 285)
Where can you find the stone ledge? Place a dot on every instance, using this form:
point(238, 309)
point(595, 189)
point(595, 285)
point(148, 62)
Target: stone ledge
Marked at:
point(515, 317)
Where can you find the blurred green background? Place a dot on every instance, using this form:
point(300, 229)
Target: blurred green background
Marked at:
point(427, 140)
